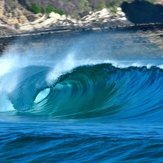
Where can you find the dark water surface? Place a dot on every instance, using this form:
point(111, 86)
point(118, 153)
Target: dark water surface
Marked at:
point(82, 97)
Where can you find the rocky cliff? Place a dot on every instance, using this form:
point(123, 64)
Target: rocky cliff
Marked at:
point(17, 16)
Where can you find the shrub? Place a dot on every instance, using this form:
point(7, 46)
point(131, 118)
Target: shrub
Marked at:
point(51, 8)
point(101, 5)
point(36, 8)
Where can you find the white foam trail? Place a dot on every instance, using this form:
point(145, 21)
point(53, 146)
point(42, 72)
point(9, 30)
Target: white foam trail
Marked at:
point(9, 83)
point(5, 104)
point(7, 64)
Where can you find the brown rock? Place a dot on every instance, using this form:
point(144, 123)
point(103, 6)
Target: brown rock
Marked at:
point(2, 4)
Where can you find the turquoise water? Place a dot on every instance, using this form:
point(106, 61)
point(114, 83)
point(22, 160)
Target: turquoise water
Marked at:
point(82, 97)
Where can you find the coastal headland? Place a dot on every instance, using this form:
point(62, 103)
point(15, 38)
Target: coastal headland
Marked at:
point(23, 18)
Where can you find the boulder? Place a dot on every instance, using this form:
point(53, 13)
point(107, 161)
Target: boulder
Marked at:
point(26, 27)
point(55, 15)
point(22, 19)
point(48, 22)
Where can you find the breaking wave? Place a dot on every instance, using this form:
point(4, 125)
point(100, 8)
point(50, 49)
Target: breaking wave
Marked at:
point(84, 91)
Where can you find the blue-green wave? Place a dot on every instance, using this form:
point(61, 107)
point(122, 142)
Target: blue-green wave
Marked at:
point(92, 91)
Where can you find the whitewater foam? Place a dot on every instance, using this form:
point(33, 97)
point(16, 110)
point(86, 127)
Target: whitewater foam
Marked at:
point(70, 63)
point(63, 66)
point(5, 103)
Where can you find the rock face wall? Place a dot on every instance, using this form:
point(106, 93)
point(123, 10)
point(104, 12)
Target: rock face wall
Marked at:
point(74, 8)
point(13, 13)
point(2, 3)
point(143, 12)
point(16, 16)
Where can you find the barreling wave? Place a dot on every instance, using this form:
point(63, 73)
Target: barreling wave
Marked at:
point(92, 91)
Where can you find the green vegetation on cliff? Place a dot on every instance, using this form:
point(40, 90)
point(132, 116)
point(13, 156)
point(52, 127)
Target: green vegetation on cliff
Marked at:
point(37, 8)
point(75, 8)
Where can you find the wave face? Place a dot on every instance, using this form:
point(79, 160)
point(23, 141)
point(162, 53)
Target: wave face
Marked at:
point(104, 90)
point(82, 106)
point(92, 91)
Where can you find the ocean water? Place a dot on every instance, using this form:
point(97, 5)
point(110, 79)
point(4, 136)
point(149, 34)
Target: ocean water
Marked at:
point(82, 97)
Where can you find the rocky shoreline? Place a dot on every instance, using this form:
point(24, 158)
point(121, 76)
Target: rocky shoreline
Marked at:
point(53, 23)
point(22, 21)
point(102, 20)
point(94, 20)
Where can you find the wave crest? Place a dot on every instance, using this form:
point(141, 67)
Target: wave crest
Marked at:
point(100, 90)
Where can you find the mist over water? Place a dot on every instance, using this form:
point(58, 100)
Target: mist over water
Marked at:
point(82, 97)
